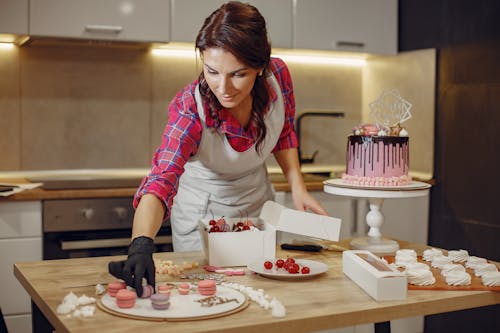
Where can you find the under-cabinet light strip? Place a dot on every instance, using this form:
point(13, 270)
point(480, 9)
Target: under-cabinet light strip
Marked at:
point(6, 46)
point(293, 58)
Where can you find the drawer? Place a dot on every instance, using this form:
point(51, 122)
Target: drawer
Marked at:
point(20, 219)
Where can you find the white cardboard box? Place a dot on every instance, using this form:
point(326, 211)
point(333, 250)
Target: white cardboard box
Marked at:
point(374, 276)
point(225, 249)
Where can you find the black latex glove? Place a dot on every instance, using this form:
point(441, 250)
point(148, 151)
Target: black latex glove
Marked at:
point(138, 265)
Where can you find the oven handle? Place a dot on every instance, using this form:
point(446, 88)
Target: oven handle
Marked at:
point(105, 243)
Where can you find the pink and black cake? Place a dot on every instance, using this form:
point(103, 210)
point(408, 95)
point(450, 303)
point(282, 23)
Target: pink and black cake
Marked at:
point(379, 154)
point(377, 159)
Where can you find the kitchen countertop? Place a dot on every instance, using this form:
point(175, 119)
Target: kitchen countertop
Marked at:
point(314, 175)
point(329, 300)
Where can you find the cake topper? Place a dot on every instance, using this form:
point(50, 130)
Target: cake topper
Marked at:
point(390, 109)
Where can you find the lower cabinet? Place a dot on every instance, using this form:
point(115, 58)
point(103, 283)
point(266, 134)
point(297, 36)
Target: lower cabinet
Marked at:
point(405, 219)
point(20, 240)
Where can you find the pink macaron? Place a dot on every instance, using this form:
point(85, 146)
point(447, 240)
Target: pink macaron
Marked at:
point(147, 291)
point(207, 287)
point(160, 301)
point(115, 286)
point(164, 289)
point(125, 298)
point(183, 288)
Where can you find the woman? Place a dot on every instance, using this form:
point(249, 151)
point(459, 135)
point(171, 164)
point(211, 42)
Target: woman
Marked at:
point(221, 129)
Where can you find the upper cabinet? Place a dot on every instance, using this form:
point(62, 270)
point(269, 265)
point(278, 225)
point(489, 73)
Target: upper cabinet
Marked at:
point(14, 17)
point(347, 25)
point(189, 15)
point(122, 20)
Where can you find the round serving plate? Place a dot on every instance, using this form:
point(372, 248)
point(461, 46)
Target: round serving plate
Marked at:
point(182, 307)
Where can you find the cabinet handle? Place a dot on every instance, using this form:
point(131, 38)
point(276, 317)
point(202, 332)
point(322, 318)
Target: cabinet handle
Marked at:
point(112, 29)
point(343, 43)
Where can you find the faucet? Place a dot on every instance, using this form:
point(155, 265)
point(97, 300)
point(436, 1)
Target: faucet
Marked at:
point(303, 159)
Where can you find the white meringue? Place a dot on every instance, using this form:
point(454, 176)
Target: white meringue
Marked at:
point(440, 261)
point(473, 261)
point(429, 254)
point(420, 277)
point(481, 269)
point(448, 268)
point(458, 255)
point(491, 279)
point(458, 278)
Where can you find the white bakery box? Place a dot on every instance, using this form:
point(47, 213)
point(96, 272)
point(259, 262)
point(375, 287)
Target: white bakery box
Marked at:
point(225, 249)
point(374, 276)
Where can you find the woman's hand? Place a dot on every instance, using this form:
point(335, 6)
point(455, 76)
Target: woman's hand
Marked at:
point(288, 160)
point(304, 201)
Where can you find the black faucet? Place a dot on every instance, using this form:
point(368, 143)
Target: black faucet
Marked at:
point(303, 159)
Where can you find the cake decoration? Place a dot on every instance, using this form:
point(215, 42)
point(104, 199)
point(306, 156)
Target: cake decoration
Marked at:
point(378, 154)
point(215, 300)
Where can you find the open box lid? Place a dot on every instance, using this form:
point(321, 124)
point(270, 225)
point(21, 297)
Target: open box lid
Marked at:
point(301, 223)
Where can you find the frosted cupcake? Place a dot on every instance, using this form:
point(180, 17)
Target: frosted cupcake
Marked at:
point(429, 254)
point(458, 255)
point(458, 278)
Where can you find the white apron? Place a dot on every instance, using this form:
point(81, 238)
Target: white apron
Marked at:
point(220, 181)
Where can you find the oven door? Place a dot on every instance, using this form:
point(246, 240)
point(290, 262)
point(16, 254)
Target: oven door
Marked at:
point(80, 228)
point(82, 244)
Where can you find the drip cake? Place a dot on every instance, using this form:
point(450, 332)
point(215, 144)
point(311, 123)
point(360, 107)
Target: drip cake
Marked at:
point(378, 154)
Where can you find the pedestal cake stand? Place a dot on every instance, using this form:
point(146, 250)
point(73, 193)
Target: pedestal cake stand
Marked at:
point(374, 242)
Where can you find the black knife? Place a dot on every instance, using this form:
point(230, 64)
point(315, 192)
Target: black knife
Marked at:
point(305, 247)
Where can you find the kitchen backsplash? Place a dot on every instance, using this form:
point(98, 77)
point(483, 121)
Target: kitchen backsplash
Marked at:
point(77, 106)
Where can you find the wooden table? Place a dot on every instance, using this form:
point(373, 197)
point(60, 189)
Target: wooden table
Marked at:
point(330, 300)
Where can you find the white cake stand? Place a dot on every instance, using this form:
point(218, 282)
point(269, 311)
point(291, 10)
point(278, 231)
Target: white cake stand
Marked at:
point(374, 218)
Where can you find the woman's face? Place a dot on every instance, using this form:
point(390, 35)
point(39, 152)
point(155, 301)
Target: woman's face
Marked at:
point(230, 80)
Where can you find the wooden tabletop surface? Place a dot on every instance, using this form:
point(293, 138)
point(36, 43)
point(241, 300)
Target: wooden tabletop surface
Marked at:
point(327, 301)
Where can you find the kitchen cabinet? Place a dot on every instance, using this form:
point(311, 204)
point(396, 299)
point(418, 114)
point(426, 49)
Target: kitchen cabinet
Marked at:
point(118, 20)
point(346, 25)
point(186, 22)
point(14, 17)
point(20, 240)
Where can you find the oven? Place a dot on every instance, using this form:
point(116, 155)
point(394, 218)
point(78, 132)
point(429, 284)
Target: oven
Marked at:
point(76, 228)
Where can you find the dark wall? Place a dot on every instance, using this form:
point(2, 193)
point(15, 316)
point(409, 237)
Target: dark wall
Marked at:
point(465, 203)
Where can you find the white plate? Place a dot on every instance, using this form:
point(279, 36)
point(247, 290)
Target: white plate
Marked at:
point(316, 268)
point(414, 185)
point(182, 307)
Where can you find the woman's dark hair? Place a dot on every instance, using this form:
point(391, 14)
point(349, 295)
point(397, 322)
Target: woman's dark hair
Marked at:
point(240, 29)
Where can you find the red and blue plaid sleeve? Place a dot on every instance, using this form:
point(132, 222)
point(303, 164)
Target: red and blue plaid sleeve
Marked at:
point(288, 138)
